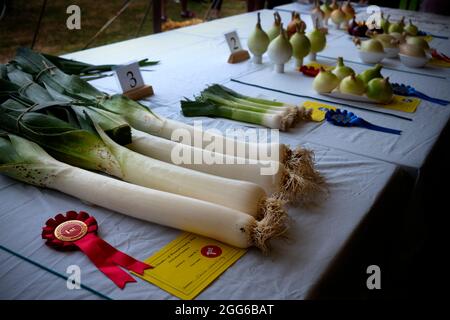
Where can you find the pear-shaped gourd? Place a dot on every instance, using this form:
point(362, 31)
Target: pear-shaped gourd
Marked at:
point(300, 45)
point(385, 23)
point(338, 17)
point(352, 85)
point(274, 31)
point(258, 42)
point(380, 90)
point(325, 81)
point(292, 26)
point(397, 26)
point(371, 73)
point(318, 41)
point(327, 11)
point(280, 51)
point(411, 29)
point(341, 71)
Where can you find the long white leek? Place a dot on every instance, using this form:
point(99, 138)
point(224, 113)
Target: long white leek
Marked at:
point(27, 162)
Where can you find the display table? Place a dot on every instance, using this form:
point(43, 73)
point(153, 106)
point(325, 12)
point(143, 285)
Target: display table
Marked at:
point(317, 236)
point(191, 58)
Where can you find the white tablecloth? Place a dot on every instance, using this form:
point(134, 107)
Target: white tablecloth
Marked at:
point(290, 272)
point(192, 58)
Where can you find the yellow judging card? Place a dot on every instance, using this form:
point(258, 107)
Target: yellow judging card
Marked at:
point(188, 264)
point(400, 103)
point(318, 109)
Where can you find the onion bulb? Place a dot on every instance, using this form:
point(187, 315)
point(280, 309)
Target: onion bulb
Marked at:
point(334, 5)
point(397, 26)
point(325, 81)
point(292, 26)
point(387, 40)
point(341, 71)
point(352, 85)
point(318, 41)
point(371, 73)
point(380, 90)
point(371, 45)
point(327, 12)
point(280, 50)
point(300, 45)
point(412, 50)
point(317, 11)
point(348, 10)
point(338, 17)
point(411, 29)
point(258, 42)
point(385, 23)
point(275, 30)
point(418, 41)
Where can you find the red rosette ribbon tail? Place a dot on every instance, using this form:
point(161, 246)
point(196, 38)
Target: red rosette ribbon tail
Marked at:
point(79, 231)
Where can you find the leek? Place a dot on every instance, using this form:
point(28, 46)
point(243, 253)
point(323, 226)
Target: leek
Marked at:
point(83, 69)
point(29, 163)
point(299, 161)
point(85, 149)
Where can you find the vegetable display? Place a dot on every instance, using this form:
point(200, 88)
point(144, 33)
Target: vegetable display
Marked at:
point(369, 84)
point(280, 50)
point(26, 161)
point(84, 127)
point(258, 42)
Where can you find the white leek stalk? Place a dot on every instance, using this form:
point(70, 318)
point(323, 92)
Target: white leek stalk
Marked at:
point(27, 162)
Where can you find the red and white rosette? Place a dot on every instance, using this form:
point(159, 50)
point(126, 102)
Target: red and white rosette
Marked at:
point(74, 231)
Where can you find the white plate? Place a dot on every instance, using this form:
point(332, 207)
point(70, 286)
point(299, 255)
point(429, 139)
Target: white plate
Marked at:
point(350, 97)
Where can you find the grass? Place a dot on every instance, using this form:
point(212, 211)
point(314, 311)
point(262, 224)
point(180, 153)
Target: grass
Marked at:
point(18, 25)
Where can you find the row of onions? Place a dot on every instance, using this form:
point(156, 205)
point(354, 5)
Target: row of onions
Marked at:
point(57, 127)
point(282, 44)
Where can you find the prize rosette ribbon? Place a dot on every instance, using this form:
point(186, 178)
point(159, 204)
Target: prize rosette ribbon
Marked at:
point(74, 231)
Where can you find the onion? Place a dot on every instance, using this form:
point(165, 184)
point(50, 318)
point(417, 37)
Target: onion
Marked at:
point(352, 85)
point(371, 73)
point(338, 17)
point(326, 9)
point(258, 42)
point(341, 70)
point(371, 45)
point(418, 41)
point(300, 45)
point(412, 50)
point(318, 41)
point(334, 5)
point(325, 81)
point(411, 29)
point(280, 51)
point(379, 89)
point(292, 29)
point(397, 26)
point(316, 11)
point(387, 40)
point(275, 30)
point(385, 23)
point(348, 10)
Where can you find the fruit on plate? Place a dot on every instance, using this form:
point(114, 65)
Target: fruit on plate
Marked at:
point(352, 85)
point(371, 73)
point(341, 70)
point(380, 90)
point(325, 81)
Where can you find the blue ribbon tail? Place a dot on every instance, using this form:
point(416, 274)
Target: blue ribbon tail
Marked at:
point(370, 126)
point(428, 98)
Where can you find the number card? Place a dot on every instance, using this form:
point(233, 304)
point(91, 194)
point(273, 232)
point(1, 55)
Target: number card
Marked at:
point(130, 77)
point(234, 43)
